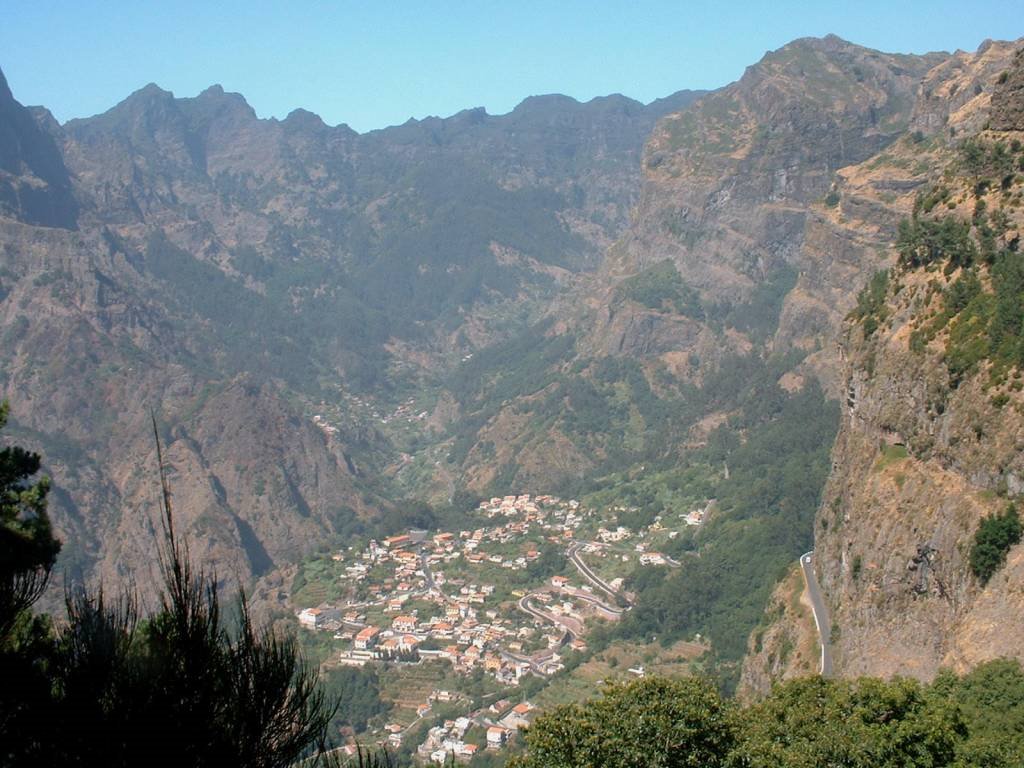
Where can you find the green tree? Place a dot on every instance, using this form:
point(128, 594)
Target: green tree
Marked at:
point(991, 700)
point(995, 535)
point(871, 307)
point(28, 549)
point(649, 723)
point(922, 242)
point(865, 723)
point(357, 691)
point(180, 687)
point(183, 686)
point(27, 554)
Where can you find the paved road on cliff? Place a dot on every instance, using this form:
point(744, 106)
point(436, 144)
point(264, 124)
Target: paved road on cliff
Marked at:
point(821, 618)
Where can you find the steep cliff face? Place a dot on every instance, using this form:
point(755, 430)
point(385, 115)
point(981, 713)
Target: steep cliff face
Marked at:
point(786, 645)
point(1007, 113)
point(34, 183)
point(932, 429)
point(87, 357)
point(734, 186)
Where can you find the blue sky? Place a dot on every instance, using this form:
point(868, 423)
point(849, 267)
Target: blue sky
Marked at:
point(372, 64)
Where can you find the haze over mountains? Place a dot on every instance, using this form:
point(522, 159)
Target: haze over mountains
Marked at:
point(621, 299)
point(205, 263)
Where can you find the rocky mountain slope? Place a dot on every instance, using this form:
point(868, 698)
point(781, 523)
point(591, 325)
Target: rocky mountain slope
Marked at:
point(227, 273)
point(733, 248)
point(734, 189)
point(931, 431)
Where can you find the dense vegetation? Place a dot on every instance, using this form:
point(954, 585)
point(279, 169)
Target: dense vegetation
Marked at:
point(993, 539)
point(758, 316)
point(182, 686)
point(946, 240)
point(762, 521)
point(974, 721)
point(982, 310)
point(871, 307)
point(662, 288)
point(357, 692)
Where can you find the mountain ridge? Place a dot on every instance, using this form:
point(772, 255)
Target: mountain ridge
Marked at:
point(209, 246)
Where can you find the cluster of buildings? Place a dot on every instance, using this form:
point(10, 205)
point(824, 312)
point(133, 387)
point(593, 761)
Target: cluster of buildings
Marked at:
point(409, 609)
point(525, 505)
point(653, 558)
point(448, 740)
point(621, 533)
point(494, 727)
point(415, 596)
point(464, 641)
point(406, 412)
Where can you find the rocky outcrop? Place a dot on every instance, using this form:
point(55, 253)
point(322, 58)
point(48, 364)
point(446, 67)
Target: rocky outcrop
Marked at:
point(954, 96)
point(786, 645)
point(917, 465)
point(734, 186)
point(34, 183)
point(1007, 112)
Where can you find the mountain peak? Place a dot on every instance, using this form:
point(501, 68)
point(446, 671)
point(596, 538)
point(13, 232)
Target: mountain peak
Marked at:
point(215, 101)
point(149, 92)
point(304, 118)
point(149, 101)
point(545, 102)
point(828, 44)
point(5, 90)
point(29, 156)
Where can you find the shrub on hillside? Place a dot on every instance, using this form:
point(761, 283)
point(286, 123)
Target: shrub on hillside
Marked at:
point(995, 535)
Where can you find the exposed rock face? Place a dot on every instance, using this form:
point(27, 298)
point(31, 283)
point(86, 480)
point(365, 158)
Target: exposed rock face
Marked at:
point(34, 184)
point(787, 646)
point(730, 180)
point(734, 195)
point(86, 358)
point(1007, 113)
point(895, 530)
point(734, 185)
point(955, 95)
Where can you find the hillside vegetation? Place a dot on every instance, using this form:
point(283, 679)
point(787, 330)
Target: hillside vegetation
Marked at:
point(976, 720)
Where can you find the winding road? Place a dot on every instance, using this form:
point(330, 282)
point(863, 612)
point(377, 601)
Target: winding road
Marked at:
point(566, 624)
point(610, 611)
point(589, 575)
point(570, 631)
point(821, 618)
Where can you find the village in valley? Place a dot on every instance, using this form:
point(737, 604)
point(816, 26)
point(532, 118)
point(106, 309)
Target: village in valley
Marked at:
point(507, 601)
